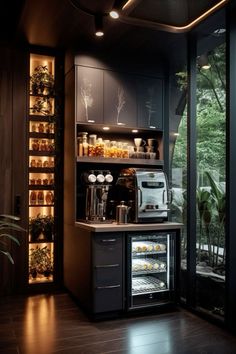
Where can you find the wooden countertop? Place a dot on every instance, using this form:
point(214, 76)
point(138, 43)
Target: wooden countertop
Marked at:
point(113, 227)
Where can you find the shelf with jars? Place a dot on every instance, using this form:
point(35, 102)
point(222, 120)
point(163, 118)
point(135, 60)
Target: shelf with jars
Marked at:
point(42, 129)
point(119, 149)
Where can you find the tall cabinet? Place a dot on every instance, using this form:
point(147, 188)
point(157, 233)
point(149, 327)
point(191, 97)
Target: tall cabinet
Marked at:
point(44, 171)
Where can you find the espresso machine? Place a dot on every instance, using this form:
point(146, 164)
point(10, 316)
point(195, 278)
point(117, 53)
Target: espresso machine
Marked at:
point(97, 187)
point(145, 192)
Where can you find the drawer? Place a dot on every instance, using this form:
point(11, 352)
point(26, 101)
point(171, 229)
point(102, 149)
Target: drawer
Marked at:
point(108, 298)
point(107, 248)
point(107, 275)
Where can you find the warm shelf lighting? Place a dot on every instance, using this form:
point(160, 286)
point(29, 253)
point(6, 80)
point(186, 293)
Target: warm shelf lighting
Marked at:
point(134, 130)
point(106, 128)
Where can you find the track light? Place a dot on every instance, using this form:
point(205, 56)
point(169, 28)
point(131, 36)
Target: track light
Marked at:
point(118, 5)
point(98, 25)
point(202, 62)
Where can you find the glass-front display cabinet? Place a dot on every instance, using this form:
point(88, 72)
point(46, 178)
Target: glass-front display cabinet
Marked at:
point(42, 171)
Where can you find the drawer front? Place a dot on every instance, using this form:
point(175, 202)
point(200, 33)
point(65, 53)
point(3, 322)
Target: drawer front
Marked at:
point(108, 272)
point(108, 298)
point(107, 249)
point(108, 275)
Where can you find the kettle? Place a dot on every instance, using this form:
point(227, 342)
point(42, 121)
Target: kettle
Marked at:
point(122, 212)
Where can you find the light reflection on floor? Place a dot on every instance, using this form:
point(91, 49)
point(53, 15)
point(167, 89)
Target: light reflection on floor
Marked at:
point(39, 324)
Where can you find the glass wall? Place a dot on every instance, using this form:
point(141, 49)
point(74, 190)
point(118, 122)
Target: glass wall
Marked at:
point(210, 194)
point(208, 267)
point(178, 161)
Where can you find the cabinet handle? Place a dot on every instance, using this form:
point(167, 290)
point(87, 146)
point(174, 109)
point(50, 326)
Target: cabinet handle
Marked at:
point(107, 266)
point(108, 287)
point(109, 240)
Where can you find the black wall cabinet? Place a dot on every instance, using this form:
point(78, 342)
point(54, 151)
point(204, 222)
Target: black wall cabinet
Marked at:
point(118, 99)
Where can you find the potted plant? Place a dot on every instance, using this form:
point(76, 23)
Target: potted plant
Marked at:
point(7, 223)
point(36, 227)
point(42, 81)
point(40, 261)
point(48, 227)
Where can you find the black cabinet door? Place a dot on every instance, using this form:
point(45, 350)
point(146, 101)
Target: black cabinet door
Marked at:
point(89, 95)
point(150, 102)
point(119, 99)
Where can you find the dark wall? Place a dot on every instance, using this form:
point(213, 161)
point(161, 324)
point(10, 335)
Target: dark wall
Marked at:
point(12, 136)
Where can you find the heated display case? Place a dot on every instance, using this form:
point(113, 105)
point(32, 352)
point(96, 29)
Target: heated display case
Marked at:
point(151, 264)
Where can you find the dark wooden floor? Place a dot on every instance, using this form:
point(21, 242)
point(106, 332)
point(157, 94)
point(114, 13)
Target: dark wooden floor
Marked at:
point(45, 324)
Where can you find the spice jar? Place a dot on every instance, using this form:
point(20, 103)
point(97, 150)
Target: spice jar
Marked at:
point(33, 163)
point(50, 146)
point(39, 181)
point(51, 163)
point(33, 197)
point(39, 163)
point(41, 128)
point(45, 181)
point(35, 145)
point(40, 197)
point(44, 145)
point(33, 128)
point(49, 197)
point(32, 181)
point(45, 163)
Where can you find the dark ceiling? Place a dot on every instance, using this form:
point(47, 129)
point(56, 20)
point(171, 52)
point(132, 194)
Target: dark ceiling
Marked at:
point(148, 26)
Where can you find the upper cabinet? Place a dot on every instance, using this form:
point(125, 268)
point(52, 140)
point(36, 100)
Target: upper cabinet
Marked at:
point(120, 100)
point(89, 95)
point(108, 97)
point(150, 103)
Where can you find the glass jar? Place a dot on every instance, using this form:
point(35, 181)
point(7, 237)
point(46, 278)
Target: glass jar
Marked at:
point(41, 128)
point(35, 145)
point(33, 197)
point(39, 163)
point(45, 163)
point(40, 197)
point(100, 147)
point(33, 163)
point(44, 145)
point(49, 197)
point(113, 149)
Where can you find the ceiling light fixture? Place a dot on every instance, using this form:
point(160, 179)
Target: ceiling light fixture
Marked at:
point(117, 7)
point(98, 19)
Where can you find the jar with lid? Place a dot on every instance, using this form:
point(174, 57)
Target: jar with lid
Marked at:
point(44, 145)
point(100, 148)
point(39, 163)
point(33, 163)
point(33, 197)
point(40, 197)
point(41, 128)
point(35, 145)
point(91, 144)
point(49, 197)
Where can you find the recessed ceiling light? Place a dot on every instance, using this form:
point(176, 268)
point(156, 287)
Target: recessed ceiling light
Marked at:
point(106, 128)
point(134, 131)
point(219, 31)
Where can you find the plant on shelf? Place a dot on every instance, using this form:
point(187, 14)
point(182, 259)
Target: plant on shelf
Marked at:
point(42, 81)
point(42, 106)
point(40, 261)
point(7, 224)
point(35, 227)
point(48, 227)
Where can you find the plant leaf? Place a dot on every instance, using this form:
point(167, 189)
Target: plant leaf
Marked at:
point(11, 237)
point(8, 256)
